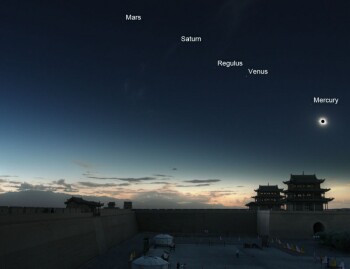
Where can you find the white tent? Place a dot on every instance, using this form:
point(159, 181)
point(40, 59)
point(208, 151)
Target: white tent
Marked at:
point(149, 262)
point(163, 240)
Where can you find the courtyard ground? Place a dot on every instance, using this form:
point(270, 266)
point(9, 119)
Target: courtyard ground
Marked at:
point(216, 253)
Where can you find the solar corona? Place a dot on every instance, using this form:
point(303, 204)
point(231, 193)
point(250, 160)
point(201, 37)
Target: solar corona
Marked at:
point(323, 122)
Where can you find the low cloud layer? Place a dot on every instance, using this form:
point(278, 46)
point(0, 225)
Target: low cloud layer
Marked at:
point(157, 191)
point(196, 185)
point(59, 186)
point(172, 199)
point(30, 187)
point(65, 186)
point(161, 175)
point(199, 181)
point(151, 199)
point(97, 185)
point(127, 179)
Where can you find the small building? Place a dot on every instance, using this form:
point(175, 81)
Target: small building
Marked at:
point(149, 262)
point(111, 205)
point(163, 240)
point(304, 193)
point(85, 206)
point(127, 205)
point(268, 197)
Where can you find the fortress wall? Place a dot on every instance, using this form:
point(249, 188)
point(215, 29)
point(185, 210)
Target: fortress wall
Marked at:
point(196, 221)
point(68, 239)
point(61, 240)
point(263, 222)
point(300, 224)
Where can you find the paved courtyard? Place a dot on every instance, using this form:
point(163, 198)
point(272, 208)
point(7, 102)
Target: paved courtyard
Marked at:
point(201, 255)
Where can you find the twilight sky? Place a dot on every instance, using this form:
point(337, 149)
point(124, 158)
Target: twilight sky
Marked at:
point(93, 104)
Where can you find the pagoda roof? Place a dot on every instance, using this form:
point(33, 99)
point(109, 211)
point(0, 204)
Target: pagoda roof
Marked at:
point(280, 202)
point(268, 196)
point(268, 188)
point(272, 204)
point(251, 204)
point(79, 200)
point(303, 179)
point(317, 200)
point(321, 190)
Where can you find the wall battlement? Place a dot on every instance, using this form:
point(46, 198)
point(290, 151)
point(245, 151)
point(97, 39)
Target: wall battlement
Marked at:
point(18, 210)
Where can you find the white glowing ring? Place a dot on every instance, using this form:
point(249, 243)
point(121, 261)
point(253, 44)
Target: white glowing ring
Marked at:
point(322, 121)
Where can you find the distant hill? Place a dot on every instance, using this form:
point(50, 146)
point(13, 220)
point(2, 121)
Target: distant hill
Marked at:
point(47, 199)
point(34, 198)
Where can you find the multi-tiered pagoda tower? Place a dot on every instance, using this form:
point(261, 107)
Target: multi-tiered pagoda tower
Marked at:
point(268, 197)
point(304, 193)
